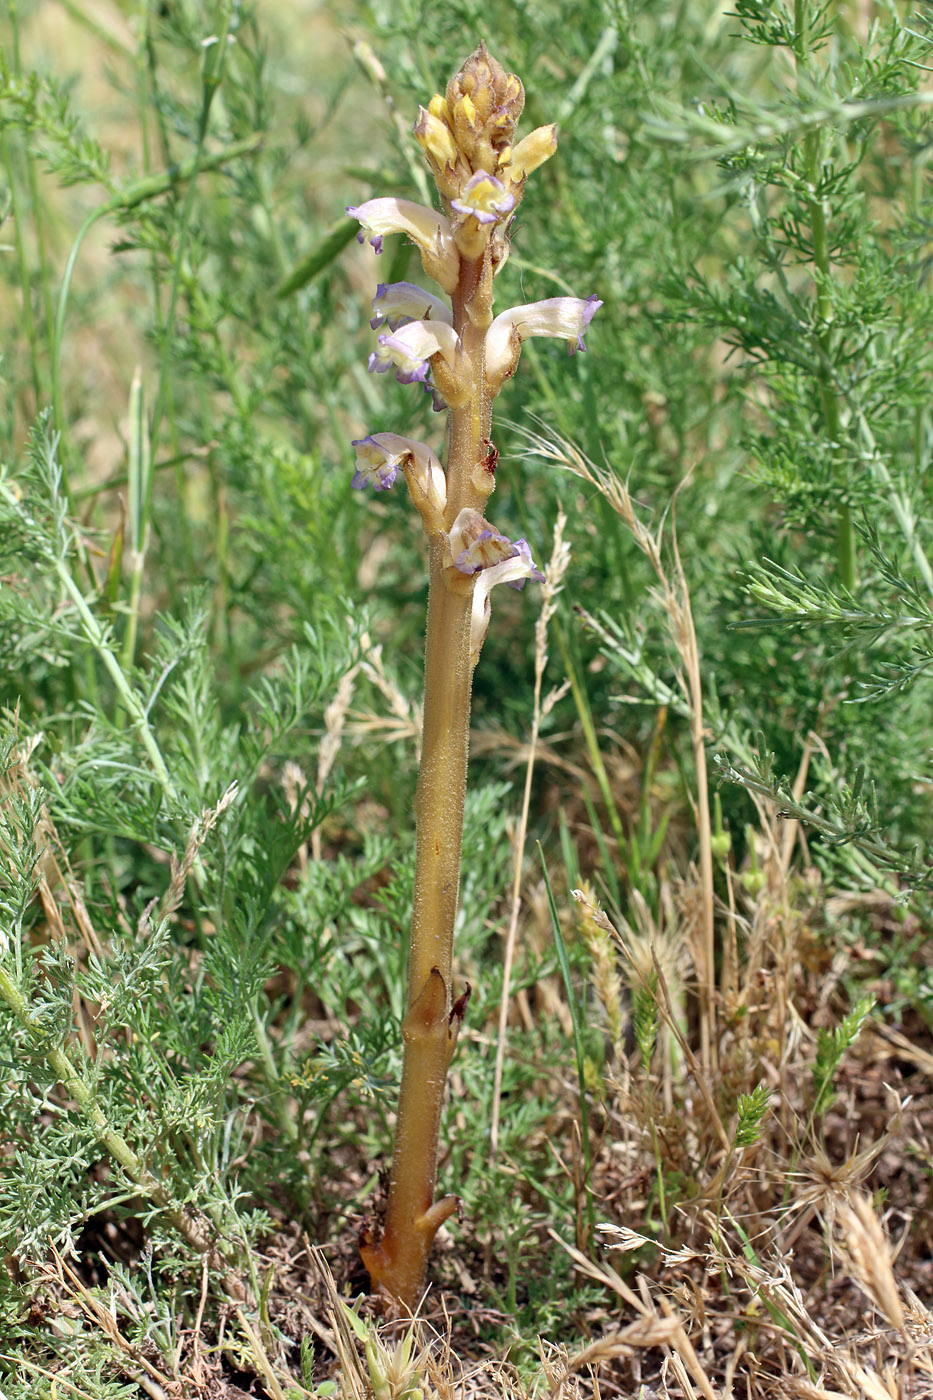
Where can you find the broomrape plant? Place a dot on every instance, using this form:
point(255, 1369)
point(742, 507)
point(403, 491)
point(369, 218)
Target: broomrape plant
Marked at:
point(457, 348)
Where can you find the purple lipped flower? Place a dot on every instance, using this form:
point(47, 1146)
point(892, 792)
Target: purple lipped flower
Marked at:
point(587, 312)
point(488, 548)
point(486, 198)
point(375, 465)
point(479, 550)
point(523, 552)
point(410, 349)
point(431, 232)
point(397, 303)
point(563, 317)
point(380, 456)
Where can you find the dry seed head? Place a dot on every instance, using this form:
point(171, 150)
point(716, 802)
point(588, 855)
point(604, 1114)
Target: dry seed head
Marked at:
point(650, 948)
point(863, 1244)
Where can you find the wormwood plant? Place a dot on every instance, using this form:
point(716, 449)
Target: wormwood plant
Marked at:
point(825, 302)
point(469, 355)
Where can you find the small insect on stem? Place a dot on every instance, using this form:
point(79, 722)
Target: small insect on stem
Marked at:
point(491, 459)
point(458, 1010)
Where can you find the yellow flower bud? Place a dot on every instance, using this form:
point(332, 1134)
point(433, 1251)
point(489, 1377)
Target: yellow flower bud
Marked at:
point(466, 123)
point(514, 95)
point(438, 108)
point(500, 124)
point(436, 139)
point(533, 150)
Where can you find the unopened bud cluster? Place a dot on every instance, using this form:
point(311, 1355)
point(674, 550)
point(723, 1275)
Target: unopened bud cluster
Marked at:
point(467, 138)
point(452, 343)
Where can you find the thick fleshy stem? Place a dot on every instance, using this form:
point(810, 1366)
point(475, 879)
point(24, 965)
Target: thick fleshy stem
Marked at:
point(398, 1261)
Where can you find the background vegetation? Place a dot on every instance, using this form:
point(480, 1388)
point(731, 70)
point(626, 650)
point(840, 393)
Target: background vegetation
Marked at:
point(210, 681)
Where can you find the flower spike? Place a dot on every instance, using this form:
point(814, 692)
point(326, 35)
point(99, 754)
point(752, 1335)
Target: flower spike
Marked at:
point(456, 346)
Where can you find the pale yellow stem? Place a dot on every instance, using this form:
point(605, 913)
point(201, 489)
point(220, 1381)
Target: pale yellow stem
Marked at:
point(448, 684)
